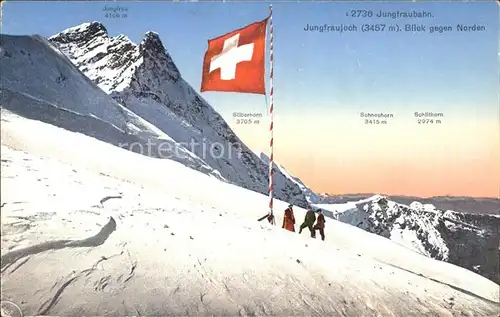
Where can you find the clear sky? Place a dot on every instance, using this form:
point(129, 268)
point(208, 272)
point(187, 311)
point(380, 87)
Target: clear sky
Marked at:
point(324, 80)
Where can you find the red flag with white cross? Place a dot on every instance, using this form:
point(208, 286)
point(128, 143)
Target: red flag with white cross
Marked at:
point(234, 62)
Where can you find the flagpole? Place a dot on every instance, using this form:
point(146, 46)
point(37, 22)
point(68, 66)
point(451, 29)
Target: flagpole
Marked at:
point(271, 110)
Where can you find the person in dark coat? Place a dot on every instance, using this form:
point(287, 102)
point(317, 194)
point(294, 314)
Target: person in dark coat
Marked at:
point(320, 225)
point(309, 222)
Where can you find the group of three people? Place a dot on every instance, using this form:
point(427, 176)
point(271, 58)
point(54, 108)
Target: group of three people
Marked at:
point(310, 218)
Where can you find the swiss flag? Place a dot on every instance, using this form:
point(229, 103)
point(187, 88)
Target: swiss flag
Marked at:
point(234, 62)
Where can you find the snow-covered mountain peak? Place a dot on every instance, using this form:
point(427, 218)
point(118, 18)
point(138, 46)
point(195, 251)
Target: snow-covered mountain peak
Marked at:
point(423, 207)
point(374, 199)
point(116, 63)
point(158, 61)
point(152, 42)
point(107, 61)
point(81, 33)
point(145, 79)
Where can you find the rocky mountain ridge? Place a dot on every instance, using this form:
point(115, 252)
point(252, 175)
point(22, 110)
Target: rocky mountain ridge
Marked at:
point(467, 240)
point(145, 79)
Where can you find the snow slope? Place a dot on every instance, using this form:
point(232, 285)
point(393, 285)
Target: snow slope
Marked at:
point(442, 235)
point(145, 79)
point(39, 82)
point(186, 244)
point(311, 197)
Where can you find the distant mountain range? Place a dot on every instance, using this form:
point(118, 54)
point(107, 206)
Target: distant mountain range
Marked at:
point(465, 239)
point(471, 205)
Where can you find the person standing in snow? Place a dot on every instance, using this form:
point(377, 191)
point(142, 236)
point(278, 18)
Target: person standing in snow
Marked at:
point(289, 219)
point(308, 222)
point(320, 225)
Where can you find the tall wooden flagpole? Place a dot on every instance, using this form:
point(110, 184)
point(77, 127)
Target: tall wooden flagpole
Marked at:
point(271, 112)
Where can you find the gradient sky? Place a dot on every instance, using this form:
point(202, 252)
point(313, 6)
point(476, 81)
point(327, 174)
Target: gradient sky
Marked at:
point(324, 80)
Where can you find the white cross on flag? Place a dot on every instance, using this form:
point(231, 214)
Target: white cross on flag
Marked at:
point(234, 62)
